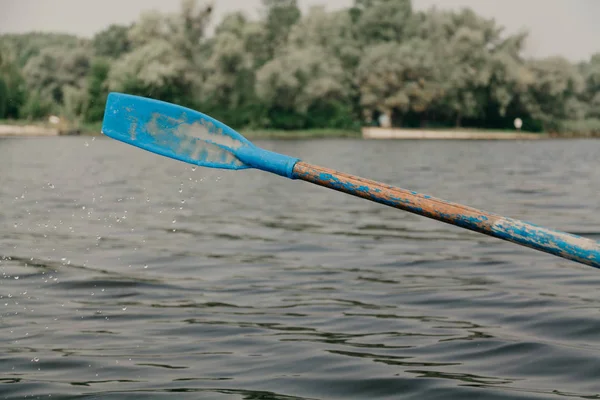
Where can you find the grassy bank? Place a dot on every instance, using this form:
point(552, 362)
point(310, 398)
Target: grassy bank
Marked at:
point(24, 122)
point(94, 129)
point(90, 128)
point(299, 134)
point(63, 127)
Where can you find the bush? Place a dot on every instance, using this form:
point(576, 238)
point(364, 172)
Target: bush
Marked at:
point(586, 127)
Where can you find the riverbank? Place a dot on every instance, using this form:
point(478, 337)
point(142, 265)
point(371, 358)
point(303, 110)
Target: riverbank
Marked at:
point(19, 128)
point(454, 134)
point(27, 130)
point(300, 134)
point(44, 129)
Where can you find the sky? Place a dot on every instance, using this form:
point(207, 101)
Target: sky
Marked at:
point(557, 27)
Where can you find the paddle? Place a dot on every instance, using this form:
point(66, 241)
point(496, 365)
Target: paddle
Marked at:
point(190, 136)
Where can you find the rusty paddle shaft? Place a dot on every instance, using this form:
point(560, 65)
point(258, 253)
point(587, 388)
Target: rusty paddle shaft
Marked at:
point(561, 244)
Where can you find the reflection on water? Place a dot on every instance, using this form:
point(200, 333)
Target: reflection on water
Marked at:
point(125, 274)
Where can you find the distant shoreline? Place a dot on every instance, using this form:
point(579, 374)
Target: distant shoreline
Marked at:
point(25, 129)
point(453, 134)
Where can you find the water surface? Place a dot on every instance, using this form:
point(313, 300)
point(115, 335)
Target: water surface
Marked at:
point(128, 275)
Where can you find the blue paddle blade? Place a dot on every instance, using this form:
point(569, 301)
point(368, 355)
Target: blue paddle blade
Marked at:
point(186, 135)
point(173, 131)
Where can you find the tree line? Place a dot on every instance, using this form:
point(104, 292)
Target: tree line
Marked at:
point(325, 69)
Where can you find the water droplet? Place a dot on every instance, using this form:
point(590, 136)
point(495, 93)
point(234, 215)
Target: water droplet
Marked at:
point(16, 277)
point(50, 185)
point(194, 168)
point(124, 308)
point(86, 144)
point(180, 190)
point(145, 266)
point(174, 221)
point(35, 359)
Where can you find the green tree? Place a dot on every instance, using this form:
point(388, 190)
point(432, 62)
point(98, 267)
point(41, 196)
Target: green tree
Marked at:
point(97, 89)
point(155, 70)
point(591, 94)
point(382, 21)
point(396, 79)
point(112, 42)
point(229, 72)
point(481, 71)
point(3, 97)
point(553, 91)
point(55, 69)
point(296, 82)
point(280, 17)
point(25, 46)
point(12, 85)
point(331, 35)
point(36, 106)
point(167, 52)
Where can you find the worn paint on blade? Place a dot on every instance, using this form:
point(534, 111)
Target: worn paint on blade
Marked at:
point(201, 141)
point(201, 131)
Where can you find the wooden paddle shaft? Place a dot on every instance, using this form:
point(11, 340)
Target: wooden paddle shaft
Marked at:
point(561, 244)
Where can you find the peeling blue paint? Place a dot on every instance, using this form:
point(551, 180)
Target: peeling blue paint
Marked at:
point(551, 241)
point(561, 244)
point(190, 136)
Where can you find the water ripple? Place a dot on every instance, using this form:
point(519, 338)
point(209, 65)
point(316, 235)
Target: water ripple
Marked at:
point(130, 275)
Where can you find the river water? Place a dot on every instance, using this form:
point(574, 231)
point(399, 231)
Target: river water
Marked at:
point(128, 275)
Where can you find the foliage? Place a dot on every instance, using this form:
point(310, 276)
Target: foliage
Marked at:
point(552, 94)
point(28, 45)
point(229, 72)
point(97, 89)
point(280, 17)
point(322, 70)
point(112, 42)
point(398, 78)
point(12, 86)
